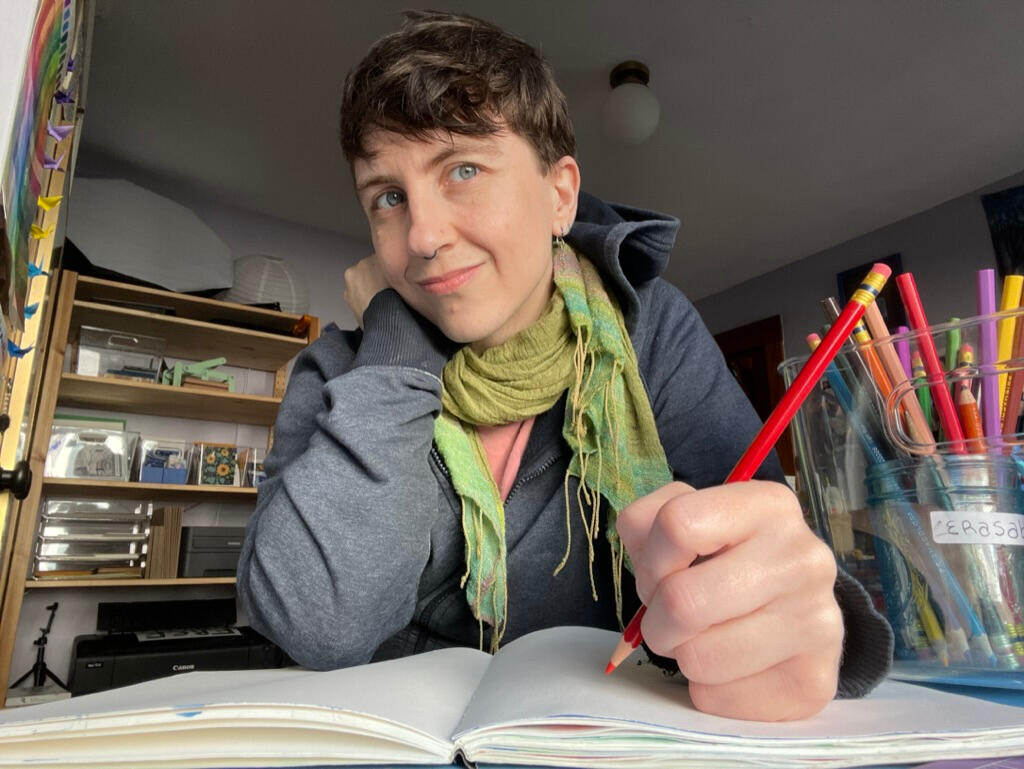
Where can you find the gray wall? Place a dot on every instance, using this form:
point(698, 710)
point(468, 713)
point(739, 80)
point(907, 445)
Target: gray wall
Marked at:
point(943, 246)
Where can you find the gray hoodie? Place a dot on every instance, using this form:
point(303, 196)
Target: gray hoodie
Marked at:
point(355, 550)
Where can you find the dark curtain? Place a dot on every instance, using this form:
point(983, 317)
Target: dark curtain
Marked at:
point(1005, 213)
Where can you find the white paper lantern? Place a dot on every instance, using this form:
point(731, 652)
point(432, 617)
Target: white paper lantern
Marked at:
point(260, 279)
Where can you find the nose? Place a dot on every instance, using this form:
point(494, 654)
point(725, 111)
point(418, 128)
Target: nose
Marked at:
point(430, 225)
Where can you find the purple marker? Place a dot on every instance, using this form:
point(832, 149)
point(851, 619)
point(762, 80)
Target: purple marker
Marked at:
point(990, 405)
point(903, 350)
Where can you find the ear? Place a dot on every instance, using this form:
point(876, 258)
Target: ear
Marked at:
point(564, 176)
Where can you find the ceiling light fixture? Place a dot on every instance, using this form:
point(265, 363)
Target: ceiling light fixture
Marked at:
point(631, 110)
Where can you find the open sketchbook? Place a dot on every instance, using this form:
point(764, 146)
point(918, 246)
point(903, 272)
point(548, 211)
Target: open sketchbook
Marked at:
point(542, 700)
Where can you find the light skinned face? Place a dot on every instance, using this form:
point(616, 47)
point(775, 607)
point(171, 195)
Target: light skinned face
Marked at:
point(486, 208)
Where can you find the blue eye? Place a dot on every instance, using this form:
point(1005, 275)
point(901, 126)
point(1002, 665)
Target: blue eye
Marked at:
point(389, 199)
point(463, 172)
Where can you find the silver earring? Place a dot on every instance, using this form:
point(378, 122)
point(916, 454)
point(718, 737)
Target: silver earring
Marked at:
point(433, 255)
point(557, 242)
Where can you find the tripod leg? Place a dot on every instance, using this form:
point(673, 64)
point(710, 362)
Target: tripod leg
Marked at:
point(16, 683)
point(56, 680)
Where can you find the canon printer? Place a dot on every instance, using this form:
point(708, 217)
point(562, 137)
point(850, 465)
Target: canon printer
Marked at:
point(153, 639)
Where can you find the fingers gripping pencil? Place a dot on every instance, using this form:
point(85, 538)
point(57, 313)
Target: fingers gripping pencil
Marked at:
point(766, 438)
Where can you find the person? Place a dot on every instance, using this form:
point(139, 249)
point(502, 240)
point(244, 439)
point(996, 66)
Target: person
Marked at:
point(530, 427)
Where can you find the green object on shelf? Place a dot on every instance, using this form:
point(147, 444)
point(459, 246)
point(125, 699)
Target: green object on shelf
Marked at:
point(204, 370)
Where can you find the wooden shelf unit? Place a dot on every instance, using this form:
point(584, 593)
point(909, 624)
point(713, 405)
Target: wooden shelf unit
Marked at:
point(44, 584)
point(73, 488)
point(200, 329)
point(91, 392)
point(107, 293)
point(194, 339)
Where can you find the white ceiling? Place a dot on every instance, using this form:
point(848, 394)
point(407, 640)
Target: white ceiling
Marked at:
point(787, 127)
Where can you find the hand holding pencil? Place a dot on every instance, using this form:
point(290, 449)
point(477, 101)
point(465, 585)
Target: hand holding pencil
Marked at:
point(755, 628)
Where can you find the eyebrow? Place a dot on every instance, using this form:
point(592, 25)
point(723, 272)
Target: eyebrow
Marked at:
point(482, 144)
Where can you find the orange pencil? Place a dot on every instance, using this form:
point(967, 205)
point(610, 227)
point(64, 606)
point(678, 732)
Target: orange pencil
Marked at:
point(964, 368)
point(863, 339)
point(917, 425)
point(970, 419)
point(781, 415)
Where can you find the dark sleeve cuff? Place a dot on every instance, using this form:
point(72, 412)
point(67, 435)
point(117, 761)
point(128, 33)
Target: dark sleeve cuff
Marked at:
point(395, 335)
point(868, 645)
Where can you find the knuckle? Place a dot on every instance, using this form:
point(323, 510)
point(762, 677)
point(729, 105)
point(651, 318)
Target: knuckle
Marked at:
point(821, 684)
point(781, 497)
point(676, 527)
point(681, 487)
point(806, 691)
point(705, 698)
point(682, 600)
point(625, 521)
point(821, 562)
point(697, 661)
point(830, 624)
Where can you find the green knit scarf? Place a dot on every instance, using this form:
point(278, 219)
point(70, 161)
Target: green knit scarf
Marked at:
point(581, 345)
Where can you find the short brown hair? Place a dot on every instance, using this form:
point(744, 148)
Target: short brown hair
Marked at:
point(458, 74)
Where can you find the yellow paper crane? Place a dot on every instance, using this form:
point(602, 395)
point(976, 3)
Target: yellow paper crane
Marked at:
point(50, 203)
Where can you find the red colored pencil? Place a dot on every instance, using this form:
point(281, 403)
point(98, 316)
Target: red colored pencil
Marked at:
point(936, 376)
point(782, 414)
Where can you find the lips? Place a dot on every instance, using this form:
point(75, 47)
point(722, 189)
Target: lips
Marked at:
point(450, 281)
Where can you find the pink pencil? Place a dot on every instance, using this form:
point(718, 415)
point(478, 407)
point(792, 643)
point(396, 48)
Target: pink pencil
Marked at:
point(936, 376)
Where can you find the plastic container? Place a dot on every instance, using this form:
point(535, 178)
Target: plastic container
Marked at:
point(105, 352)
point(86, 539)
point(161, 460)
point(250, 464)
point(215, 464)
point(89, 454)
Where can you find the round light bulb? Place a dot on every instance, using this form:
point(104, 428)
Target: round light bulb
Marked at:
point(630, 114)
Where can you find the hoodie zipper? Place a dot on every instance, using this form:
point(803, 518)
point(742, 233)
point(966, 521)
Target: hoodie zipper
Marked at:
point(440, 462)
point(543, 468)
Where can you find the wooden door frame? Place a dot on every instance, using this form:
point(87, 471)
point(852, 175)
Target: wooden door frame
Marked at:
point(768, 332)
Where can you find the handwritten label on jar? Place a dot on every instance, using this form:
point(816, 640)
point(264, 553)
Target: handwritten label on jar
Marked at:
point(969, 528)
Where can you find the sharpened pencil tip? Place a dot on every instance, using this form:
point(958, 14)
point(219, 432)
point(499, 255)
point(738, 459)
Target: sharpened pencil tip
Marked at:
point(609, 668)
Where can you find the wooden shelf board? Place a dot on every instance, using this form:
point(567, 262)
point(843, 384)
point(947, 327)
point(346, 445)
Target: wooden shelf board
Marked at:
point(194, 339)
point(195, 307)
point(164, 492)
point(171, 582)
point(139, 397)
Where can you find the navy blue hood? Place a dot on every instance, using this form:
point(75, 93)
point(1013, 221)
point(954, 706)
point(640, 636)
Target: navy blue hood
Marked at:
point(629, 245)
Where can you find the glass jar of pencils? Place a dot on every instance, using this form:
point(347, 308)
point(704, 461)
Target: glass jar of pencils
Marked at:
point(913, 476)
point(947, 532)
